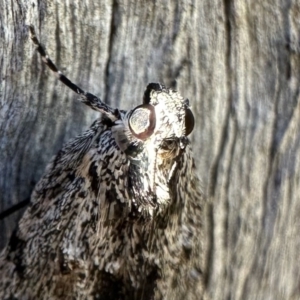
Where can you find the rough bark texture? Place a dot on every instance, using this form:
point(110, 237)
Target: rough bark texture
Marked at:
point(239, 64)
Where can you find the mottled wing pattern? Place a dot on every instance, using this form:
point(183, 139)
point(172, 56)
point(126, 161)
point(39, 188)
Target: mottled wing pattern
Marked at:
point(118, 213)
point(64, 211)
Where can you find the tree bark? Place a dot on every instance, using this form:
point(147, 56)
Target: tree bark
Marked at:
point(239, 64)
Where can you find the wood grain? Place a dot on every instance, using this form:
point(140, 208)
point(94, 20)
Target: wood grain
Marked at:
point(239, 64)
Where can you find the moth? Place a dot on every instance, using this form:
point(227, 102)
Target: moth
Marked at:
point(118, 212)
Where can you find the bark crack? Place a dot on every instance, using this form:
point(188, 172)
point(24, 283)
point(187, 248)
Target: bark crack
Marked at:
point(224, 140)
point(110, 50)
point(228, 33)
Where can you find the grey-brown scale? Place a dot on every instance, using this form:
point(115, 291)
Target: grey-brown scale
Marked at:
point(117, 214)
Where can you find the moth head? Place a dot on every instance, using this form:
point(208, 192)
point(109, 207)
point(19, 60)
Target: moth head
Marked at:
point(157, 130)
point(163, 113)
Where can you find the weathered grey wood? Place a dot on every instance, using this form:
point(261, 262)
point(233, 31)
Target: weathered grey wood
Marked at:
point(239, 64)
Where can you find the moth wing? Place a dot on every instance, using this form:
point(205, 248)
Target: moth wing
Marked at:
point(83, 188)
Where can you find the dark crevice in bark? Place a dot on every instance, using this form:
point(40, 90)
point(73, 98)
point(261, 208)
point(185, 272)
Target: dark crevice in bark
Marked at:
point(73, 26)
point(176, 23)
point(110, 50)
point(224, 137)
point(280, 129)
point(287, 12)
point(228, 31)
point(210, 246)
point(230, 237)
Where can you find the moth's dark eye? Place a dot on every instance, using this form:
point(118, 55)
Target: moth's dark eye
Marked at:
point(189, 121)
point(142, 121)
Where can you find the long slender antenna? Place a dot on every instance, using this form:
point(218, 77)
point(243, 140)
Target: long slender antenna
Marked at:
point(87, 98)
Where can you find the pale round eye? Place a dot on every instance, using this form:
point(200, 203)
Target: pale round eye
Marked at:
point(142, 121)
point(189, 121)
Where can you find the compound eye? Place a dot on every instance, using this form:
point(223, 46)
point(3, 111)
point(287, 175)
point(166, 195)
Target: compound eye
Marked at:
point(189, 121)
point(142, 121)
